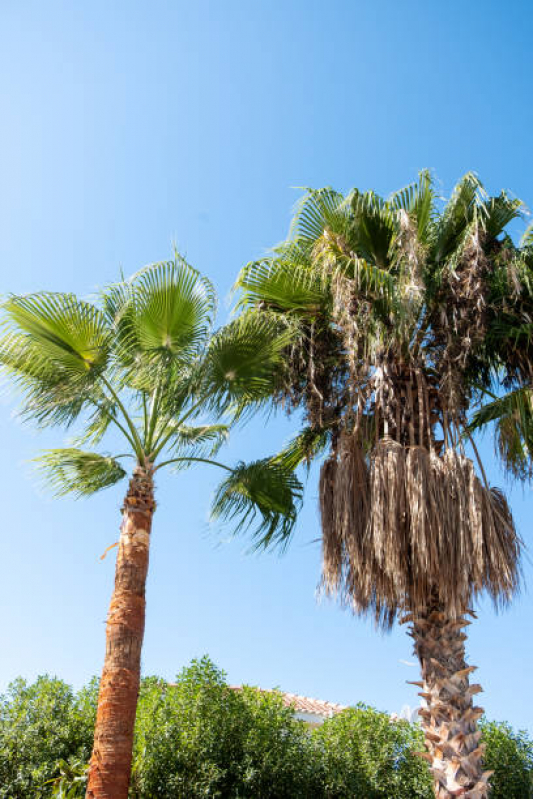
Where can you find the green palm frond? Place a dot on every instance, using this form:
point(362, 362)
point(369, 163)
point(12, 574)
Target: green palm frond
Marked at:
point(318, 210)
point(54, 347)
point(243, 360)
point(418, 200)
point(304, 448)
point(263, 497)
point(62, 331)
point(527, 237)
point(468, 198)
point(73, 471)
point(286, 282)
point(500, 211)
point(200, 440)
point(512, 416)
point(163, 314)
point(372, 227)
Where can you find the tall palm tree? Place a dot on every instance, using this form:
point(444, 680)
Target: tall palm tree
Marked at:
point(387, 304)
point(143, 362)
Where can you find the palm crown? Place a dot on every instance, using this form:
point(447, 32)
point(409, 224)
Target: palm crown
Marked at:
point(388, 304)
point(144, 361)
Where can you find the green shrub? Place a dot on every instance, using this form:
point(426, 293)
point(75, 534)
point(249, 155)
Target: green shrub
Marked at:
point(200, 738)
point(40, 725)
point(510, 756)
point(366, 754)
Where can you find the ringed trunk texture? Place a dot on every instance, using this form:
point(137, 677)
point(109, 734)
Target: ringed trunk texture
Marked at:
point(449, 718)
point(110, 766)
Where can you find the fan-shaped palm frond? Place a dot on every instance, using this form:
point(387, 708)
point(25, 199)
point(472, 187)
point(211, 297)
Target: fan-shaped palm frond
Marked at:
point(468, 197)
point(318, 210)
point(287, 282)
point(66, 333)
point(527, 237)
point(74, 471)
point(264, 497)
point(54, 347)
point(198, 441)
point(372, 227)
point(163, 314)
point(418, 200)
point(243, 358)
point(500, 211)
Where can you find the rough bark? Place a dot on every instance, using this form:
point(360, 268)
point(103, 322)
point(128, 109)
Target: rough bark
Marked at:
point(449, 717)
point(110, 766)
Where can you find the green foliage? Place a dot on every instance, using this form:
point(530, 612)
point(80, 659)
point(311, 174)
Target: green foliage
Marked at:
point(365, 754)
point(200, 738)
point(74, 471)
point(143, 360)
point(41, 725)
point(510, 755)
point(266, 489)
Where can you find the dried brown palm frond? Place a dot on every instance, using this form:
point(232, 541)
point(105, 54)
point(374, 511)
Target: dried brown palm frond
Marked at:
point(408, 524)
point(461, 322)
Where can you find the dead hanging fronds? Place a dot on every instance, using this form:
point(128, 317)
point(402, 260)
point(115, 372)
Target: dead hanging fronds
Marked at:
point(343, 492)
point(409, 255)
point(409, 524)
point(461, 323)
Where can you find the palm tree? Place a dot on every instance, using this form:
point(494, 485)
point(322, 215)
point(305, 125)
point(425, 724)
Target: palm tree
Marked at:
point(387, 304)
point(144, 363)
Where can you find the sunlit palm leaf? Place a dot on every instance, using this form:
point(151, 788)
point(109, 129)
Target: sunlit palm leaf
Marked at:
point(54, 347)
point(286, 282)
point(527, 237)
point(199, 441)
point(418, 200)
point(59, 331)
point(73, 471)
point(304, 448)
point(501, 211)
point(163, 314)
point(263, 497)
point(244, 358)
point(317, 211)
point(468, 197)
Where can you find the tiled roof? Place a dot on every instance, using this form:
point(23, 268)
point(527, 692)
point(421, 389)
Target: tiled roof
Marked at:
point(304, 704)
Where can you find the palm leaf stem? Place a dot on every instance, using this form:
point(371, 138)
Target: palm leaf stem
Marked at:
point(163, 439)
point(115, 422)
point(193, 460)
point(153, 414)
point(145, 415)
point(136, 443)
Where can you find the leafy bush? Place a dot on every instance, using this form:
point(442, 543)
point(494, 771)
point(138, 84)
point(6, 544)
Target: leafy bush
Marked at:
point(510, 756)
point(40, 725)
point(366, 754)
point(200, 738)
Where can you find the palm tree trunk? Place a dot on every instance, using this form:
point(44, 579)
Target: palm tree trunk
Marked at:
point(110, 766)
point(449, 718)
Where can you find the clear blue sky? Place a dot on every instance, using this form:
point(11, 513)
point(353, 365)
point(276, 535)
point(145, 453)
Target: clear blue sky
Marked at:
point(127, 126)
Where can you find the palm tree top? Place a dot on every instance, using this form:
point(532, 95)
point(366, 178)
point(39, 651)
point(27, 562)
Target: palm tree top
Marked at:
point(143, 360)
point(389, 303)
